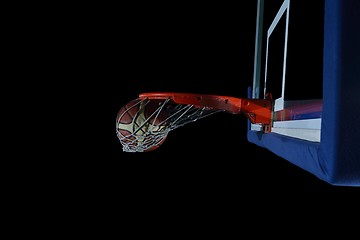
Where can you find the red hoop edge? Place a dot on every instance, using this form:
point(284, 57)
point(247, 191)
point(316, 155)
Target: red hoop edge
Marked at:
point(257, 110)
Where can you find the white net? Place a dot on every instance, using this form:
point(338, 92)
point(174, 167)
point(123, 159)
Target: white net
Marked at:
point(143, 124)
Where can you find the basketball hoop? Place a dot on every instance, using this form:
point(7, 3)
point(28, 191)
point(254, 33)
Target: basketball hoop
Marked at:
point(143, 124)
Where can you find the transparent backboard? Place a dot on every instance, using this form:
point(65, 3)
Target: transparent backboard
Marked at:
point(306, 57)
point(288, 64)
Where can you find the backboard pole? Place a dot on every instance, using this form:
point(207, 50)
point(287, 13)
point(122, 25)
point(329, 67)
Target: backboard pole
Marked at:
point(258, 44)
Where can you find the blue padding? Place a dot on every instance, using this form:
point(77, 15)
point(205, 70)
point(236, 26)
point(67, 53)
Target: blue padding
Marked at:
point(340, 148)
point(297, 151)
point(336, 159)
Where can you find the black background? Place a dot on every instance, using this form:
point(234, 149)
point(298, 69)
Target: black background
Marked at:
point(85, 62)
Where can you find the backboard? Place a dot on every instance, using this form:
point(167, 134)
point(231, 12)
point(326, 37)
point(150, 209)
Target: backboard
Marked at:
point(305, 55)
point(288, 64)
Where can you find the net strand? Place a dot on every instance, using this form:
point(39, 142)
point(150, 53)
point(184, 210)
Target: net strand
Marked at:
point(148, 134)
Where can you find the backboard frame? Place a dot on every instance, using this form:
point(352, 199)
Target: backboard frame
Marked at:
point(309, 126)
